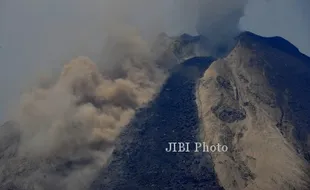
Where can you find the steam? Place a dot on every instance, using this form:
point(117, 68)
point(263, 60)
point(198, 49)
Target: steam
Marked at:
point(219, 20)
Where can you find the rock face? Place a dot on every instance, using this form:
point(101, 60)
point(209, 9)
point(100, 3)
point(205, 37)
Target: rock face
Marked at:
point(256, 100)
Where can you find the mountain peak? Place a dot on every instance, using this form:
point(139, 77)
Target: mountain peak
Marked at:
point(277, 42)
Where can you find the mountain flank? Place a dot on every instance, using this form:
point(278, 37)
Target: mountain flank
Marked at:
point(257, 101)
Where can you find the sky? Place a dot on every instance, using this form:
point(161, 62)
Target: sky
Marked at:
point(38, 36)
point(289, 19)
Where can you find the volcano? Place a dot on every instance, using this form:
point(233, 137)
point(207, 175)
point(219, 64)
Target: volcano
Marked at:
point(255, 100)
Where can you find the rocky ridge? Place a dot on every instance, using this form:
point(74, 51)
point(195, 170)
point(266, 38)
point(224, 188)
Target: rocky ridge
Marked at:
point(256, 100)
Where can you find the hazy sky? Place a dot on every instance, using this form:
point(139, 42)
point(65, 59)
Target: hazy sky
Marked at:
point(40, 34)
point(286, 18)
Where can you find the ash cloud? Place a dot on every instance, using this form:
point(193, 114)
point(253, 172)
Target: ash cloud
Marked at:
point(66, 126)
point(76, 120)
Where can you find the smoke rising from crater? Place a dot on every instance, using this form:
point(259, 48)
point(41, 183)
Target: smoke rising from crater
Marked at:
point(219, 20)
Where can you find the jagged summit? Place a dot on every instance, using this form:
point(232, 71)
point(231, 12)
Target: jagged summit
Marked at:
point(275, 42)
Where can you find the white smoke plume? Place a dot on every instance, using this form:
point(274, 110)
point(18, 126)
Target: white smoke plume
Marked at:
point(219, 20)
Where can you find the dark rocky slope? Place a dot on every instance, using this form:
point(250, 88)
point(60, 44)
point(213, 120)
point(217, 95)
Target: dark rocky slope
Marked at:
point(140, 160)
